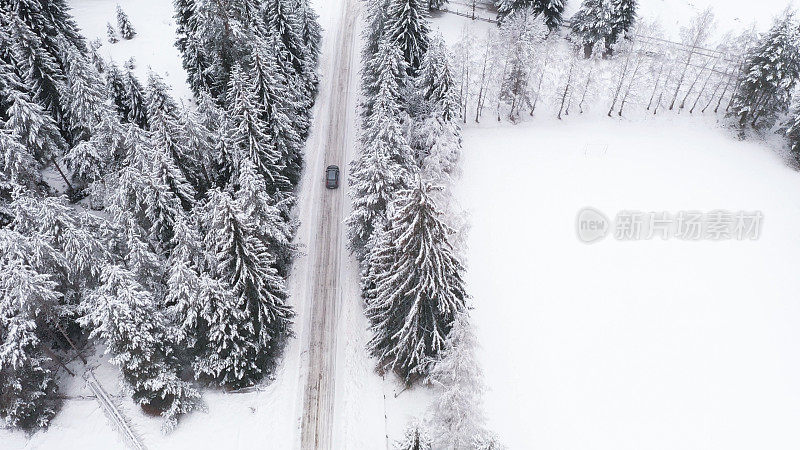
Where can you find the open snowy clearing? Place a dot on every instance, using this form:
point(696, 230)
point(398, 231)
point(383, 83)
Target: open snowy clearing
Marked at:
point(630, 345)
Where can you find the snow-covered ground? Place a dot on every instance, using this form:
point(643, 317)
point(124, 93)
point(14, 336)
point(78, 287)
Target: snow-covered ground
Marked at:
point(632, 345)
point(152, 47)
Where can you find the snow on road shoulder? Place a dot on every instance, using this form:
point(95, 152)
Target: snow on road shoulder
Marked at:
point(630, 345)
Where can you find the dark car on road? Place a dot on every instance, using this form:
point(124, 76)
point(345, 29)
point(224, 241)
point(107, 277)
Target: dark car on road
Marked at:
point(332, 177)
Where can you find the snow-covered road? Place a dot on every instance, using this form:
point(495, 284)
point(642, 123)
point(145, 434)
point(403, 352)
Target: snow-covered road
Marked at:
point(326, 245)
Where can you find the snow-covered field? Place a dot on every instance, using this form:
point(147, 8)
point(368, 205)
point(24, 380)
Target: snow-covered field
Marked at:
point(632, 345)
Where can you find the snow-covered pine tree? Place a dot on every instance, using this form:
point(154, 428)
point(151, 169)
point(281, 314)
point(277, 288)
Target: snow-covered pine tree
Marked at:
point(521, 33)
point(40, 70)
point(169, 135)
point(436, 4)
point(415, 286)
point(214, 325)
point(94, 56)
point(158, 99)
point(456, 413)
point(282, 21)
point(407, 28)
point(277, 108)
point(437, 82)
point(551, 10)
point(435, 135)
point(372, 63)
point(85, 99)
point(18, 167)
point(283, 34)
point(623, 18)
point(126, 30)
point(249, 135)
point(124, 316)
point(792, 134)
point(185, 22)
point(385, 157)
point(28, 390)
point(111, 32)
point(220, 39)
point(770, 72)
point(375, 179)
point(244, 263)
point(74, 237)
point(57, 23)
point(137, 103)
point(310, 31)
point(415, 438)
point(594, 23)
point(115, 84)
point(220, 160)
point(34, 128)
point(264, 212)
point(388, 102)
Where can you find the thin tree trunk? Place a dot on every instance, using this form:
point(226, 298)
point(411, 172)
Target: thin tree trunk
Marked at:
point(735, 87)
point(630, 85)
point(683, 75)
point(586, 88)
point(483, 80)
point(63, 176)
point(691, 86)
point(566, 88)
point(55, 358)
point(655, 85)
point(725, 78)
point(622, 74)
point(705, 83)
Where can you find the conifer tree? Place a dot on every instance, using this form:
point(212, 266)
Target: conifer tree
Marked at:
point(264, 212)
point(437, 82)
point(282, 21)
point(415, 286)
point(115, 83)
point(310, 31)
point(386, 88)
point(35, 129)
point(158, 98)
point(126, 30)
point(623, 17)
point(407, 27)
point(793, 135)
point(249, 136)
point(40, 69)
point(246, 266)
point(593, 23)
point(137, 103)
point(18, 167)
point(551, 10)
point(28, 390)
point(415, 438)
point(123, 314)
point(111, 32)
point(373, 34)
point(277, 110)
point(85, 98)
point(770, 72)
point(94, 56)
point(456, 415)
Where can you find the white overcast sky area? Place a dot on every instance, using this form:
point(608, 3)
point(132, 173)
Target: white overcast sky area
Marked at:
point(730, 14)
